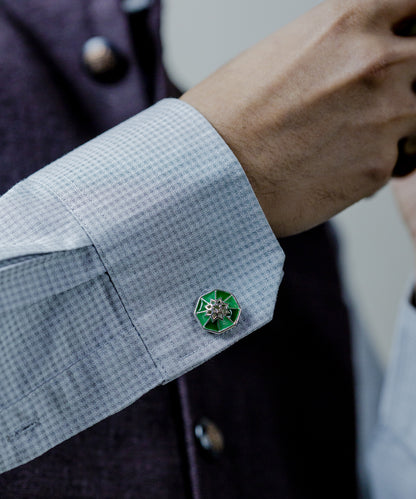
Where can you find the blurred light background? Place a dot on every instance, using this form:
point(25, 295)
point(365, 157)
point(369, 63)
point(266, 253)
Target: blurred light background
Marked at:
point(377, 257)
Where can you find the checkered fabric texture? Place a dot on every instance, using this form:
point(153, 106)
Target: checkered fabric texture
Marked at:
point(103, 255)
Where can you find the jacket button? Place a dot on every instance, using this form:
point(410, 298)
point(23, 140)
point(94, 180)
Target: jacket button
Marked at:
point(209, 437)
point(103, 61)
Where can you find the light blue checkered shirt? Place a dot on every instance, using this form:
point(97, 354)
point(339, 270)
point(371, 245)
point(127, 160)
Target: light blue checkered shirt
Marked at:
point(103, 255)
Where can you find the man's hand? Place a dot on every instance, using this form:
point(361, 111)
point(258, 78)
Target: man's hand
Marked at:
point(315, 111)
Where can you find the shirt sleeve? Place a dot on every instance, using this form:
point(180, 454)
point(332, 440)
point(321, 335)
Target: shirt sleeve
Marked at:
point(103, 256)
point(392, 453)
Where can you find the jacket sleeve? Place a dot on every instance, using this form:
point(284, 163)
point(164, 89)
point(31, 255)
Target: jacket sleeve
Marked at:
point(391, 459)
point(103, 256)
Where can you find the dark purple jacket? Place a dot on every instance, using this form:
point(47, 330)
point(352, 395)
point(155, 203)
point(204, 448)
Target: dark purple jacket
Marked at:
point(282, 397)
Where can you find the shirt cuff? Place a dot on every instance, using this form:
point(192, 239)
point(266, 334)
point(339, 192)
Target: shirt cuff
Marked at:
point(141, 221)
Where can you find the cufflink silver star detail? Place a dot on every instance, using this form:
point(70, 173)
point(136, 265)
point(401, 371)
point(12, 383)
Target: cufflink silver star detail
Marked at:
point(217, 311)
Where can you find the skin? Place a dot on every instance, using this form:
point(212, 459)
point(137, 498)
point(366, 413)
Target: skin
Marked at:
point(315, 111)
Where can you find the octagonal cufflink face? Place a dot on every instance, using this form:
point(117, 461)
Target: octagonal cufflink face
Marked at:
point(217, 311)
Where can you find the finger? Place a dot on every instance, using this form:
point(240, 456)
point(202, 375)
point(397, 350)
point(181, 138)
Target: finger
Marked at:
point(397, 97)
point(401, 79)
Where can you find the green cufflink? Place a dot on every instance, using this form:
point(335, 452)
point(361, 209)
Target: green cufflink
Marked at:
point(217, 311)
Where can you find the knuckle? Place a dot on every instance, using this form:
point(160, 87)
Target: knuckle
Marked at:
point(377, 57)
point(355, 15)
point(349, 16)
point(396, 113)
point(373, 15)
point(406, 114)
point(379, 172)
point(377, 65)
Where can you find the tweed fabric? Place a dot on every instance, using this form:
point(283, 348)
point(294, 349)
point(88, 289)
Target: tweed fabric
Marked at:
point(109, 249)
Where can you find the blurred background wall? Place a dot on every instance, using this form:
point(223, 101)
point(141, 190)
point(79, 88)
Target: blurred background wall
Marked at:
point(377, 258)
